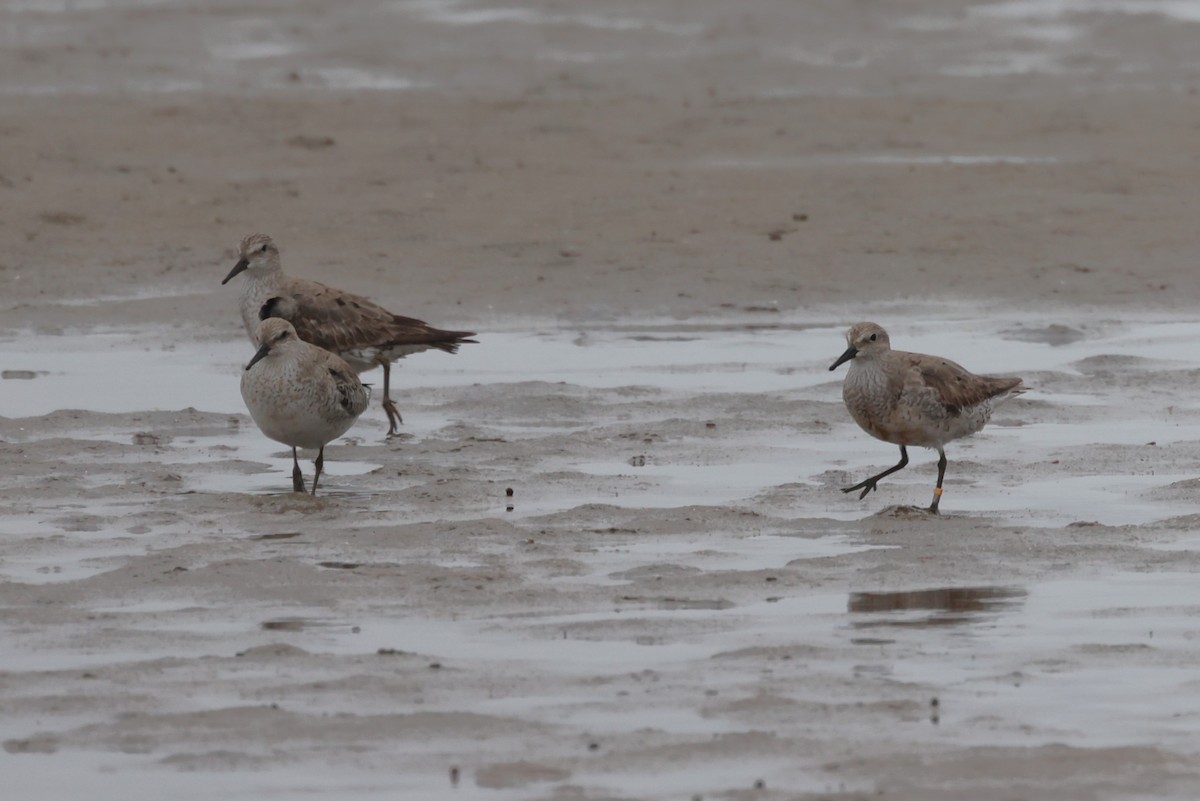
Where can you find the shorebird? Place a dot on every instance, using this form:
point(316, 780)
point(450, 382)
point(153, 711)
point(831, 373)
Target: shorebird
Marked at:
point(914, 399)
point(363, 333)
point(299, 394)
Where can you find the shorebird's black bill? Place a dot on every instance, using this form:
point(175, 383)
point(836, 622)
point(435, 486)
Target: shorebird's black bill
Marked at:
point(263, 351)
point(850, 353)
point(237, 268)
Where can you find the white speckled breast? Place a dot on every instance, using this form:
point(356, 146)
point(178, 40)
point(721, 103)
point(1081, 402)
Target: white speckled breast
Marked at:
point(300, 399)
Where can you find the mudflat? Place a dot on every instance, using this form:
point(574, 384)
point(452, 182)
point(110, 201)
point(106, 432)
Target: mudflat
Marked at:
point(661, 217)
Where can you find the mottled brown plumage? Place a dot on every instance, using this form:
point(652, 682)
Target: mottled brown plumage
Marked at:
point(359, 330)
point(914, 399)
point(344, 322)
point(955, 387)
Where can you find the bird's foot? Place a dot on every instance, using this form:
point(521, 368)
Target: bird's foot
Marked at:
point(393, 416)
point(865, 486)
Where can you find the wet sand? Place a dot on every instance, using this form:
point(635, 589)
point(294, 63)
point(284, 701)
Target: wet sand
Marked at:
point(661, 216)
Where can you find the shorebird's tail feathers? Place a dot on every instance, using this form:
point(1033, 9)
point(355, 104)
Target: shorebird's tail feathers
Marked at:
point(453, 340)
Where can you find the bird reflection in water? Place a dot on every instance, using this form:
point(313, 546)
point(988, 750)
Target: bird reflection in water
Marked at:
point(945, 606)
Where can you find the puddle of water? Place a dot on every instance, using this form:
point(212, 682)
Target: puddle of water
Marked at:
point(70, 562)
point(1034, 37)
point(1070, 658)
point(49, 548)
point(821, 58)
point(77, 371)
point(453, 12)
point(499, 641)
point(710, 551)
point(250, 39)
point(336, 475)
point(153, 292)
point(150, 607)
point(471, 640)
point(1098, 498)
point(1184, 544)
point(989, 65)
point(665, 485)
point(1129, 432)
point(353, 79)
point(148, 86)
point(760, 552)
point(953, 160)
point(66, 6)
point(1181, 10)
point(609, 56)
point(731, 777)
point(119, 777)
point(250, 50)
point(926, 160)
point(733, 359)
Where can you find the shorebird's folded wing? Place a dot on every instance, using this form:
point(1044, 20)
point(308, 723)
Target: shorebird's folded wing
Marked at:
point(340, 321)
point(956, 387)
point(353, 396)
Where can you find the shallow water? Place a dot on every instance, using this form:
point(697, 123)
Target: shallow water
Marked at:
point(1084, 636)
point(1101, 646)
point(1023, 664)
point(975, 644)
point(676, 362)
point(875, 159)
point(1104, 652)
point(736, 357)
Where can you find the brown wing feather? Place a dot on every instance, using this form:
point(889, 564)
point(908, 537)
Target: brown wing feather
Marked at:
point(338, 321)
point(352, 395)
point(956, 386)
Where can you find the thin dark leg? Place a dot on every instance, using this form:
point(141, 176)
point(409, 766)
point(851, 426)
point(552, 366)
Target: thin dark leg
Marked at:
point(937, 493)
point(297, 476)
point(869, 484)
point(389, 406)
point(320, 464)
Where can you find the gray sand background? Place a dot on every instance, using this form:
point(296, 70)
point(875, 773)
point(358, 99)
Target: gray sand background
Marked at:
point(661, 216)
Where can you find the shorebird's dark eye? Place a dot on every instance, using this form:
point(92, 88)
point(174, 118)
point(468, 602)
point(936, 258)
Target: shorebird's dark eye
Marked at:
point(264, 247)
point(873, 337)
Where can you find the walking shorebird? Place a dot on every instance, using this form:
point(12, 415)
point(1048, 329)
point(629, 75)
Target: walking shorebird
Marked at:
point(299, 394)
point(363, 333)
point(914, 399)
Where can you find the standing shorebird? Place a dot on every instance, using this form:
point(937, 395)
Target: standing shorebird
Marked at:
point(914, 399)
point(299, 394)
point(363, 333)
